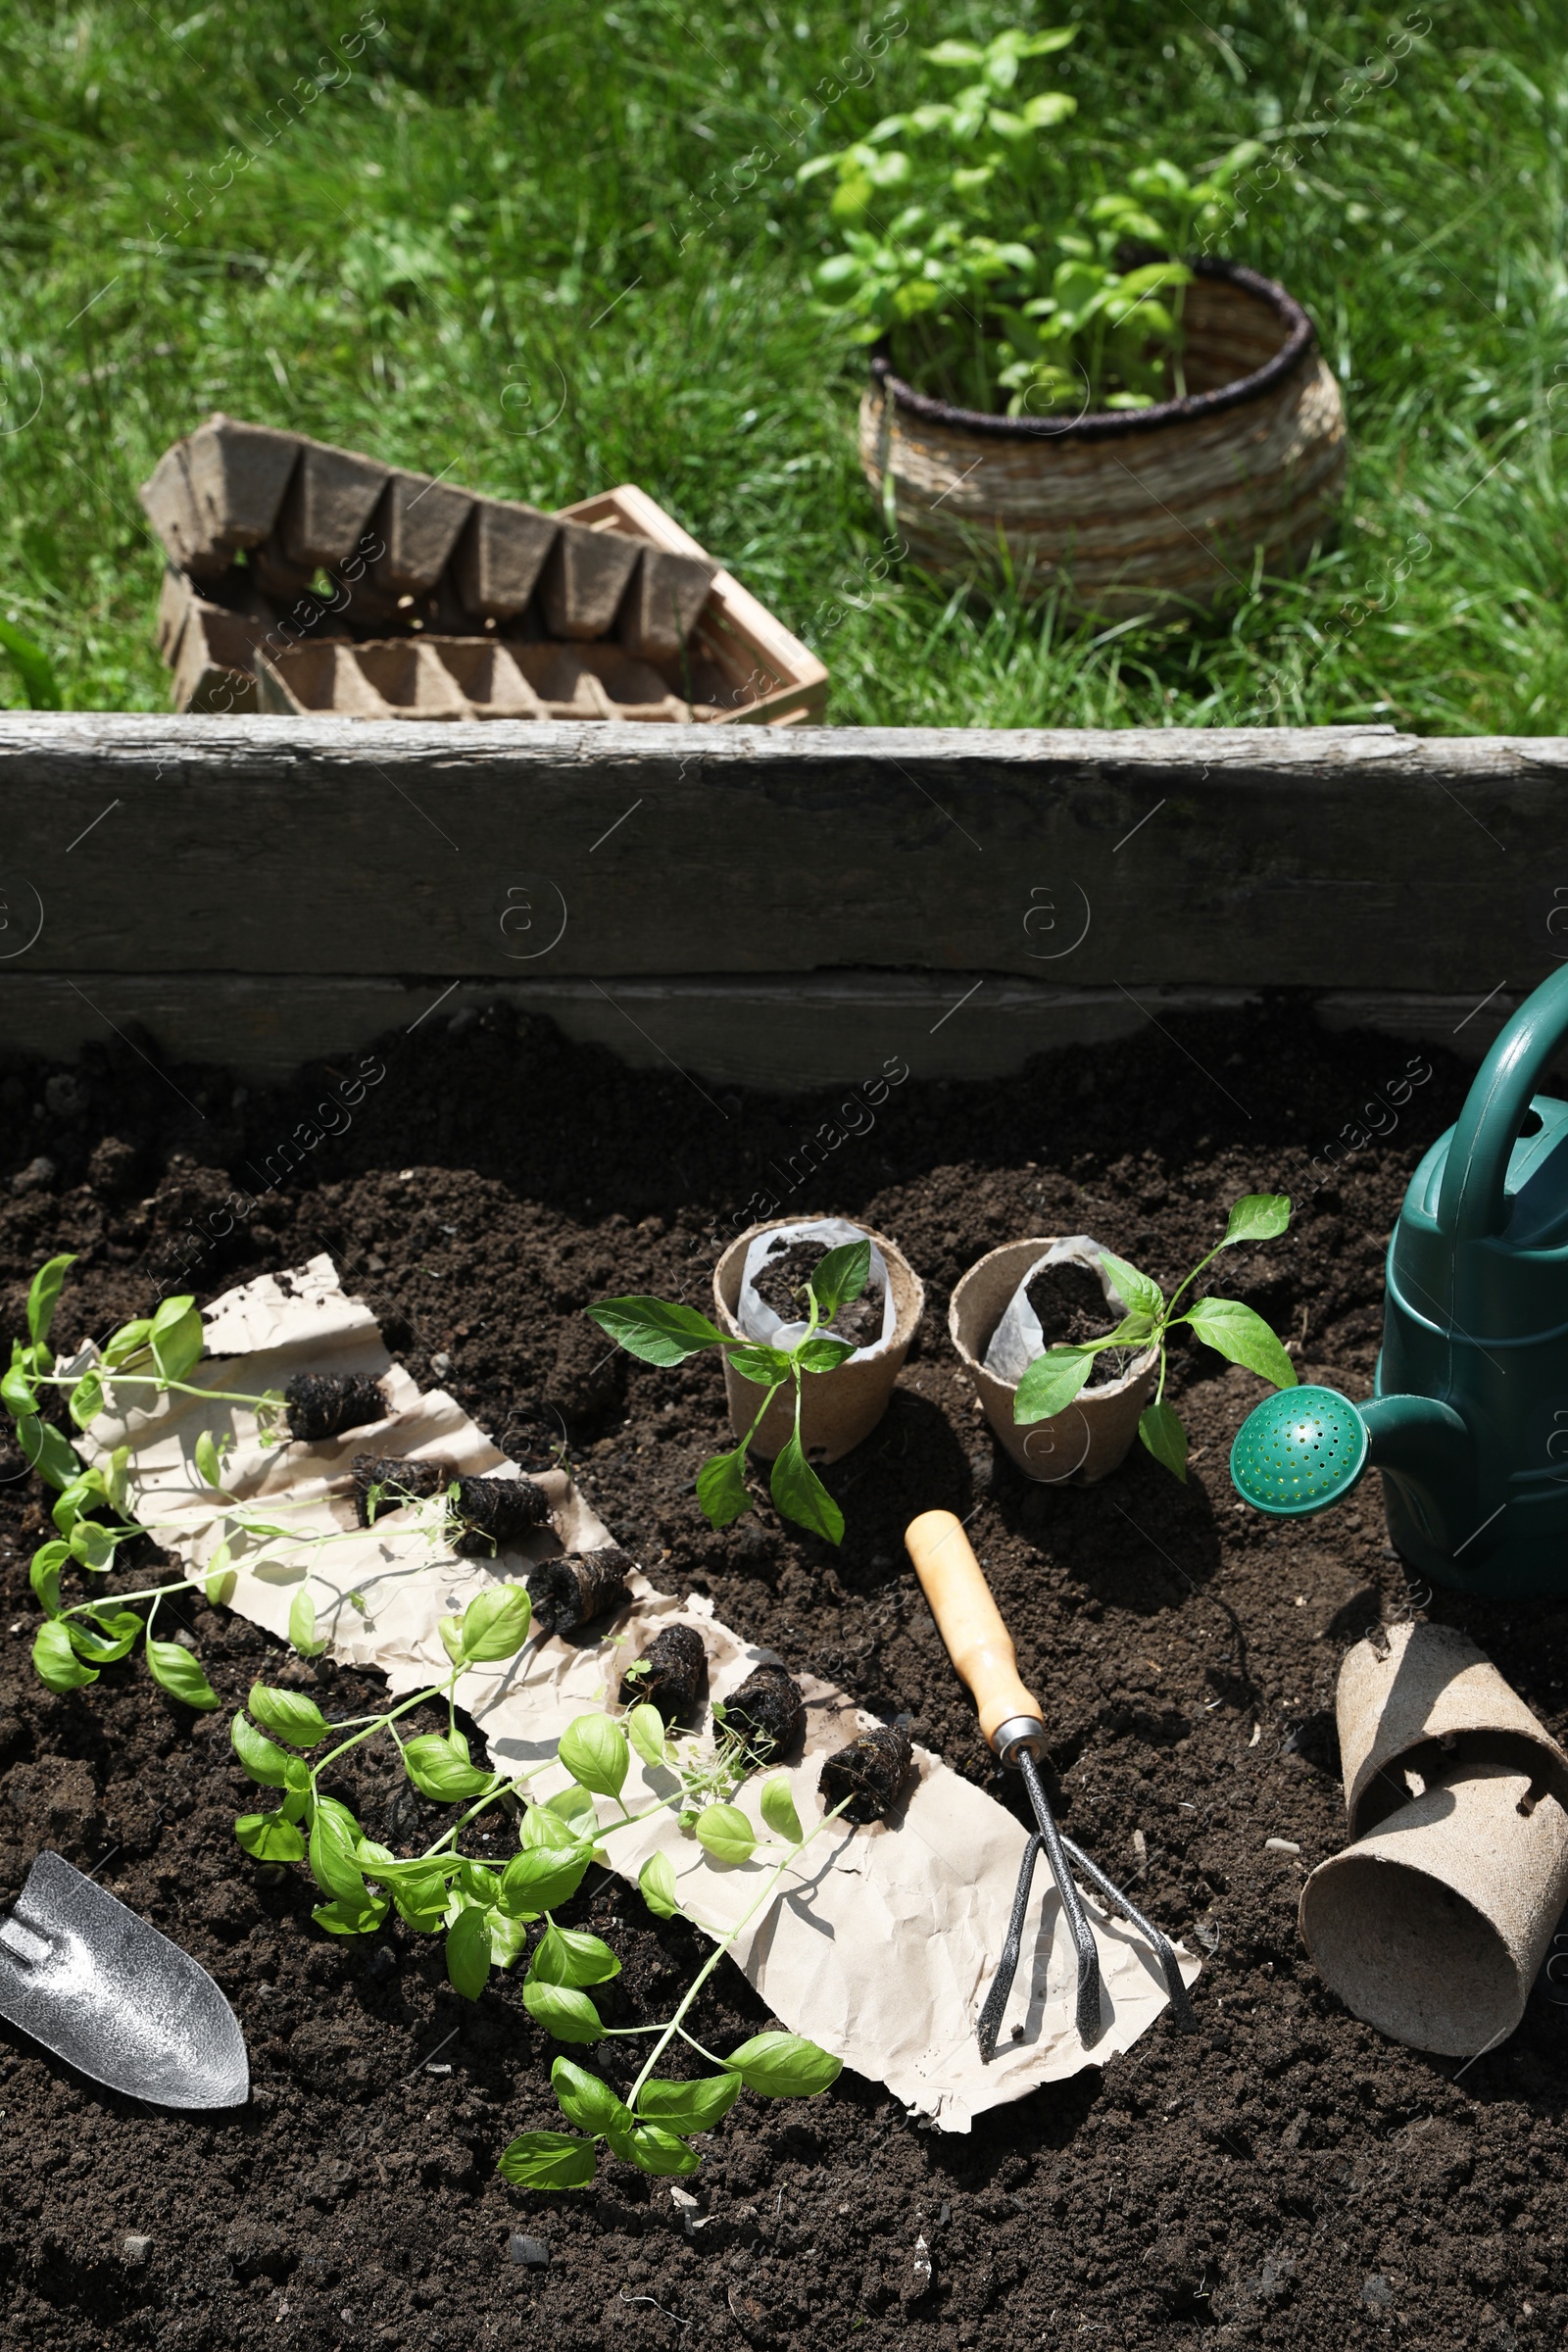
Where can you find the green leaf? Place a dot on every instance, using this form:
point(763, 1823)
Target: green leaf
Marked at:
point(656, 1880)
point(594, 1751)
point(655, 1332)
point(108, 1634)
point(1137, 1294)
point(207, 1465)
point(449, 1630)
point(778, 1809)
point(689, 2106)
point(438, 1768)
point(548, 2160)
point(334, 1864)
point(541, 1877)
point(288, 1715)
point(823, 1352)
point(469, 1953)
point(1242, 1336)
point(495, 1625)
point(655, 2150)
point(841, 1275)
point(768, 1367)
point(1161, 1431)
point(1051, 1383)
point(721, 1488)
point(123, 1344)
point(344, 1917)
point(176, 1343)
point(544, 1826)
point(575, 1807)
point(800, 1494)
point(219, 1579)
point(584, 2101)
point(784, 2066)
point(85, 1400)
point(47, 1451)
point(176, 1670)
point(35, 670)
point(644, 1728)
point(263, 1761)
point(563, 2011)
point(93, 1545)
point(269, 1837)
point(55, 1662)
point(1257, 1217)
point(43, 1293)
point(169, 1315)
point(572, 1956)
point(302, 1626)
point(43, 1574)
point(509, 1939)
point(17, 1391)
point(724, 1832)
point(421, 1901)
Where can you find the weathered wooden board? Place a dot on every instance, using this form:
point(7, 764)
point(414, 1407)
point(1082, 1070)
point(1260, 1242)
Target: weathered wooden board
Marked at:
point(276, 877)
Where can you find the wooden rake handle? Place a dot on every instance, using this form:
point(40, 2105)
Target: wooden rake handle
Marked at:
point(968, 1619)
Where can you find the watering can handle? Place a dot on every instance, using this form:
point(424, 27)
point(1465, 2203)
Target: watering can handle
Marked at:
point(1471, 1203)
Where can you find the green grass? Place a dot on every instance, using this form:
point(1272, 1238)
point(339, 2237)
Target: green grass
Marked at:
point(423, 264)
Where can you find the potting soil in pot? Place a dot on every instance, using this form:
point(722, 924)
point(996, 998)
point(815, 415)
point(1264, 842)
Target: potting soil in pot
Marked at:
point(778, 1263)
point(1062, 1302)
point(1287, 2177)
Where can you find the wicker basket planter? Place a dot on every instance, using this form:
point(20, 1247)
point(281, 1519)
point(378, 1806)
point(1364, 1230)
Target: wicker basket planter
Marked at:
point(1137, 508)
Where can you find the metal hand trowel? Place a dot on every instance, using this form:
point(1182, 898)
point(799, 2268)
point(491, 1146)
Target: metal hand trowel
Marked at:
point(121, 2005)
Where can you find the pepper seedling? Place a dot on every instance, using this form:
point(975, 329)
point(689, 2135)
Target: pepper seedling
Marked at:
point(658, 1331)
point(1051, 1382)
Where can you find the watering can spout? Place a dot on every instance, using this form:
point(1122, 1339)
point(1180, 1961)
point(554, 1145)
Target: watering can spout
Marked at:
point(1303, 1449)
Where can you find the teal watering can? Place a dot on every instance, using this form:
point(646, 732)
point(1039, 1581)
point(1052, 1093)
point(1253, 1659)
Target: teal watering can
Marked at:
point(1468, 1421)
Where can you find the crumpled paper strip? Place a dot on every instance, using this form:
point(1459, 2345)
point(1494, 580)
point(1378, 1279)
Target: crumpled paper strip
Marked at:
point(880, 1949)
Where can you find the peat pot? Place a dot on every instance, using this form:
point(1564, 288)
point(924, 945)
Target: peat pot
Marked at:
point(1094, 1434)
point(1133, 509)
point(839, 1407)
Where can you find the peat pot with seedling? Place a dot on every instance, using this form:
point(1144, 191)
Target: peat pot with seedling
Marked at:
point(1072, 1408)
point(1056, 395)
point(840, 1314)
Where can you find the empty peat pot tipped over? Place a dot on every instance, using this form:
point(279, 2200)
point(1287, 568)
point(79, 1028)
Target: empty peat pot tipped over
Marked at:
point(838, 1409)
point(1434, 1923)
point(1094, 1434)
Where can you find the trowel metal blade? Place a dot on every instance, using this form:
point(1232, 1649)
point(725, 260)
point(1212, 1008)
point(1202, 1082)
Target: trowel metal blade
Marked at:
point(116, 2000)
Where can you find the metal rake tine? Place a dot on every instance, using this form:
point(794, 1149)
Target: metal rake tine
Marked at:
point(990, 2021)
point(1181, 2007)
point(1083, 1934)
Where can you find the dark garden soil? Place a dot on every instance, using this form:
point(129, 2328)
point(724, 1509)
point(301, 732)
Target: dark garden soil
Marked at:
point(781, 1286)
point(1285, 2177)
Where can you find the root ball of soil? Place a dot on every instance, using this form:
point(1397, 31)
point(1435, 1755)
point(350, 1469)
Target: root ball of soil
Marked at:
point(400, 1482)
point(570, 1592)
point(675, 1661)
point(324, 1404)
point(873, 1772)
point(492, 1511)
point(766, 1715)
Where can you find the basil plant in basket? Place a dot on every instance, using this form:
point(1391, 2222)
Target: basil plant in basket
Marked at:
point(1234, 1330)
point(1001, 283)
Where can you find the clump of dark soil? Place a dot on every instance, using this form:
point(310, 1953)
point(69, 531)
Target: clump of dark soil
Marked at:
point(869, 1776)
point(1285, 2177)
point(669, 1674)
point(572, 1591)
point(765, 1715)
point(324, 1404)
point(781, 1285)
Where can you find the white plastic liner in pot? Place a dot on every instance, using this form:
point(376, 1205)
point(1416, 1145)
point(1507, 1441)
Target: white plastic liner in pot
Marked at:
point(1018, 1339)
point(757, 1319)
